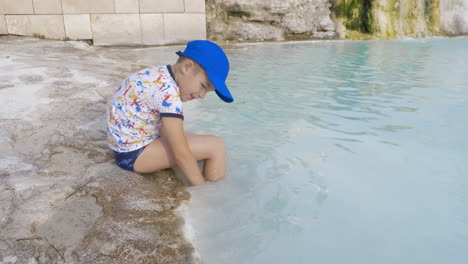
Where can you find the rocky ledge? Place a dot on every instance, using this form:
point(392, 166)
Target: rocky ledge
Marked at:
point(62, 198)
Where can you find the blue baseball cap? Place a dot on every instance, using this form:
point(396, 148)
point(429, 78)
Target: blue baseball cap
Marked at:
point(214, 61)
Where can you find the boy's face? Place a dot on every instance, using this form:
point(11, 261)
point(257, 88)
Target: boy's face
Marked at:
point(193, 82)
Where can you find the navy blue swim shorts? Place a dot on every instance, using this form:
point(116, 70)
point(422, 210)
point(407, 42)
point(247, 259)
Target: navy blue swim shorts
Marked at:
point(126, 160)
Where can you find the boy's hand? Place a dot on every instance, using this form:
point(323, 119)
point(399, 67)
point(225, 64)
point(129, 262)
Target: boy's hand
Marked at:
point(172, 130)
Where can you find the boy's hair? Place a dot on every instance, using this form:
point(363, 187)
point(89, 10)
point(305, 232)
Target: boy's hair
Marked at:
point(181, 59)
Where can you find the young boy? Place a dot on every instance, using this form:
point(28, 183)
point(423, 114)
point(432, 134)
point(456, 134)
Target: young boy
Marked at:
point(145, 118)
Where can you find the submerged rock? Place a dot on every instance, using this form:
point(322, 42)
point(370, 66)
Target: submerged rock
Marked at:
point(62, 198)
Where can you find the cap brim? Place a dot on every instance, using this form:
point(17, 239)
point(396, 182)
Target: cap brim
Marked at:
point(221, 90)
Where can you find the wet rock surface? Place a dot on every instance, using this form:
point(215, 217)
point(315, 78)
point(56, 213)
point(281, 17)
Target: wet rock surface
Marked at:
point(62, 198)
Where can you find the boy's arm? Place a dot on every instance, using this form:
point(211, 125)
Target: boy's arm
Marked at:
point(173, 130)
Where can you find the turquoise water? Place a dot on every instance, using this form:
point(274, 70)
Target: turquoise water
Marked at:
point(339, 152)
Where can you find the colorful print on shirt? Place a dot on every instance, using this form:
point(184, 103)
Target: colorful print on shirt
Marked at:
point(135, 111)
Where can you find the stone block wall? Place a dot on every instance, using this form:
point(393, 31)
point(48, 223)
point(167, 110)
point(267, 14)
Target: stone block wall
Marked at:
point(106, 22)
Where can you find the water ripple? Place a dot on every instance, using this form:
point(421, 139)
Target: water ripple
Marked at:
point(322, 136)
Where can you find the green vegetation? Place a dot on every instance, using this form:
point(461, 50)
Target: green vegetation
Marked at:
point(39, 36)
point(392, 10)
point(66, 39)
point(299, 36)
point(364, 19)
point(432, 15)
point(230, 37)
point(356, 35)
point(355, 14)
point(239, 14)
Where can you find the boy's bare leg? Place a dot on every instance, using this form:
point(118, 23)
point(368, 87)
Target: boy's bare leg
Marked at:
point(210, 149)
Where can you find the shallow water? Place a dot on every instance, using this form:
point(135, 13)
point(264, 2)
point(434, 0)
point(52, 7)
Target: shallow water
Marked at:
point(339, 152)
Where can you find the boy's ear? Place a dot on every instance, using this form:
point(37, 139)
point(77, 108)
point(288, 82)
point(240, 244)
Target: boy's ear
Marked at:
point(187, 65)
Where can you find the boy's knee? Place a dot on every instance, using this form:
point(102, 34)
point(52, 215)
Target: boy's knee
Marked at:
point(218, 143)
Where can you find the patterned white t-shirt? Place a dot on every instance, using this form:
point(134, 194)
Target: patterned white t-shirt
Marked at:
point(135, 111)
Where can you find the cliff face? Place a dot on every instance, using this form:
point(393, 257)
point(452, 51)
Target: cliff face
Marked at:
point(389, 18)
point(454, 16)
point(259, 20)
